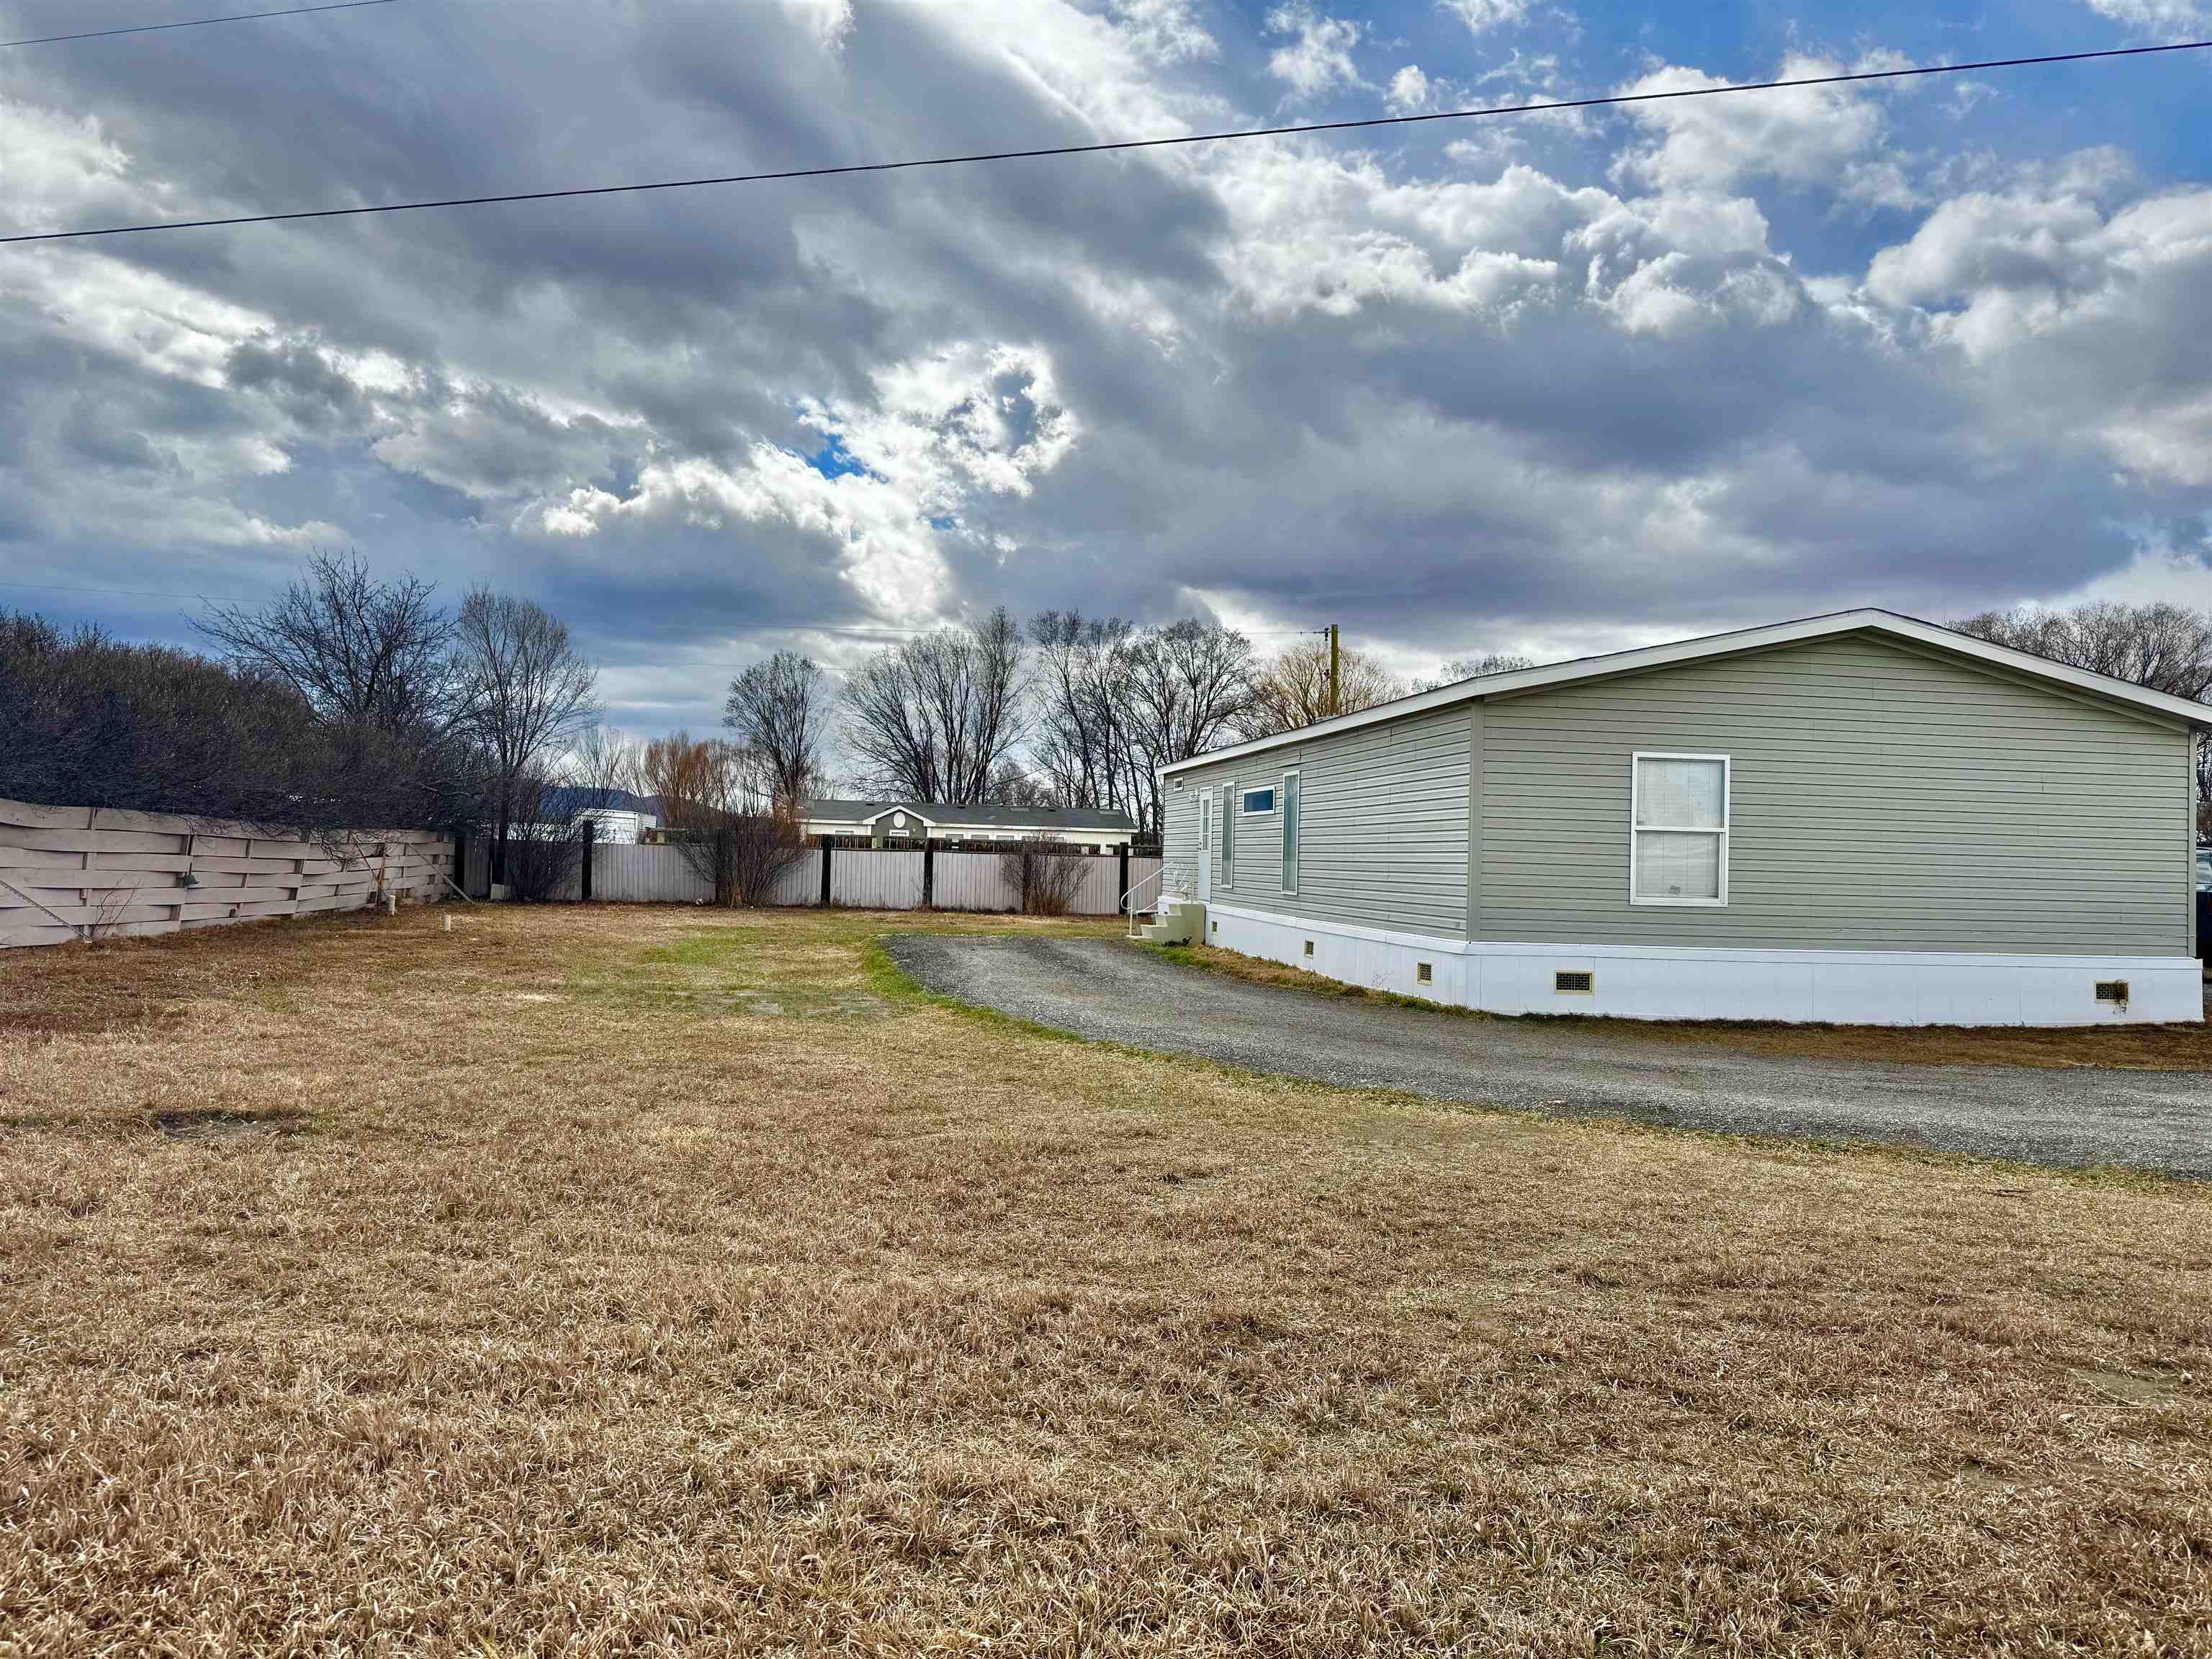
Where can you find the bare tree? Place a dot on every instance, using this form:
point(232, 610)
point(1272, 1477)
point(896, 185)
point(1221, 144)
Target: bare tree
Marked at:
point(934, 719)
point(361, 652)
point(719, 807)
point(1293, 690)
point(1047, 874)
point(604, 764)
point(527, 690)
point(1081, 737)
point(1189, 686)
point(2165, 648)
point(1474, 668)
point(374, 662)
point(557, 814)
point(778, 710)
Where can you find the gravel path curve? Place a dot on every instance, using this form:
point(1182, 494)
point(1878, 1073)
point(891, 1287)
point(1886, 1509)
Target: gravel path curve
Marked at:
point(1108, 989)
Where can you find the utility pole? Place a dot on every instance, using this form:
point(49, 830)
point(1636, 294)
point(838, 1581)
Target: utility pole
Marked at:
point(1335, 703)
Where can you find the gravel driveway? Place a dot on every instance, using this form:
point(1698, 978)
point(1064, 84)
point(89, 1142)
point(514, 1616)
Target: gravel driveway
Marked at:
point(1107, 989)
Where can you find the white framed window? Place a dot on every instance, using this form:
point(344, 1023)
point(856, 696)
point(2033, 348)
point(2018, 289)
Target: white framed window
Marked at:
point(1228, 836)
point(1290, 833)
point(1258, 803)
point(1678, 830)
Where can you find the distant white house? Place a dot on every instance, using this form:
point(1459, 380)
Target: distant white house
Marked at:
point(912, 822)
point(622, 820)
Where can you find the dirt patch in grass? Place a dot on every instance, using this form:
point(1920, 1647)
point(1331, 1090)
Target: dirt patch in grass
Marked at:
point(675, 1312)
point(2131, 1048)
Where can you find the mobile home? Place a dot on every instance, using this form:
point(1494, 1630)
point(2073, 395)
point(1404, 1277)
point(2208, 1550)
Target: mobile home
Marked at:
point(1859, 818)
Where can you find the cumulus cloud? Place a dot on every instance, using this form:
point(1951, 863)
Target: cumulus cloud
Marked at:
point(1319, 53)
point(2165, 18)
point(1594, 383)
point(1164, 31)
point(1825, 137)
point(2074, 316)
point(1408, 92)
point(1479, 15)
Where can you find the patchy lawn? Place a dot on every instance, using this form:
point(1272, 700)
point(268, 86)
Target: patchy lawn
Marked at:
point(593, 1280)
point(2128, 1048)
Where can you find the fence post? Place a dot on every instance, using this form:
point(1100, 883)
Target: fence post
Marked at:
point(928, 874)
point(1121, 882)
point(591, 847)
point(1025, 882)
point(825, 871)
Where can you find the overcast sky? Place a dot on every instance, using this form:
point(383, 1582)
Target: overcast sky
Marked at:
point(1551, 384)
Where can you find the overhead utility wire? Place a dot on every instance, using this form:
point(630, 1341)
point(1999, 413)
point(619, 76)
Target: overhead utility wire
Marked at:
point(1108, 146)
point(196, 22)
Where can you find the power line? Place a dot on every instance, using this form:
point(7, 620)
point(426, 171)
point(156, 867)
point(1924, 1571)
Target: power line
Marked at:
point(196, 22)
point(1103, 148)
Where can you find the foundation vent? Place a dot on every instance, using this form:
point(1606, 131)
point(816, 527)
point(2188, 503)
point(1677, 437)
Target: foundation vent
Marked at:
point(1574, 979)
point(1309, 947)
point(2112, 990)
point(1422, 972)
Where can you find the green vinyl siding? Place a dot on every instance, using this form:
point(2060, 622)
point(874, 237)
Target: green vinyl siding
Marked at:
point(1382, 826)
point(1882, 798)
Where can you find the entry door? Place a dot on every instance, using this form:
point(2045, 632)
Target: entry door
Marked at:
point(1206, 847)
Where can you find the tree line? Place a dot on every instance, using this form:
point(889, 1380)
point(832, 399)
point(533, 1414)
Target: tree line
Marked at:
point(1070, 711)
point(353, 702)
point(347, 703)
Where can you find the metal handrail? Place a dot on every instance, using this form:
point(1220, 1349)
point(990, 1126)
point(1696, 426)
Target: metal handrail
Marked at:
point(1130, 909)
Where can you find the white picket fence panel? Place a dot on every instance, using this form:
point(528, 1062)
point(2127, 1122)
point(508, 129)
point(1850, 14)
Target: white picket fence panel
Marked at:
point(878, 879)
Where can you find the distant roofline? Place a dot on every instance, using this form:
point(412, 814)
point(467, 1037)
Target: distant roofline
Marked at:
point(942, 814)
point(1635, 661)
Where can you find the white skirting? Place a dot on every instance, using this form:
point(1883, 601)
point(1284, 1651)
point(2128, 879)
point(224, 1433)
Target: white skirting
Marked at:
point(1639, 981)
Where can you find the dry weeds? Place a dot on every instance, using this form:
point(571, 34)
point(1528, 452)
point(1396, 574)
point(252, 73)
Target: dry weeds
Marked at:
point(613, 1279)
point(2129, 1047)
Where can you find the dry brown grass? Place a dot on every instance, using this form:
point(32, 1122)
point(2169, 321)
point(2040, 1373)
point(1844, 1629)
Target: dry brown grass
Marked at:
point(600, 1281)
point(2129, 1047)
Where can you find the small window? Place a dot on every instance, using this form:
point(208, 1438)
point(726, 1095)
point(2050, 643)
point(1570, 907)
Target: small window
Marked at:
point(1291, 837)
point(1257, 801)
point(2112, 990)
point(1422, 972)
point(1574, 980)
point(1678, 835)
point(1228, 837)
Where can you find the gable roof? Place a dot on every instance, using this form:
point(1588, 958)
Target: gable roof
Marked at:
point(937, 813)
point(1888, 623)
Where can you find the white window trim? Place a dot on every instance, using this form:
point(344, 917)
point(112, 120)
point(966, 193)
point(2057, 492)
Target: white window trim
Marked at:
point(1228, 860)
point(1293, 854)
point(1636, 812)
point(1206, 820)
point(1273, 791)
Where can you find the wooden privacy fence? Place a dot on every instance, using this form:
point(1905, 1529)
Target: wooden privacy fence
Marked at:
point(875, 878)
point(69, 872)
